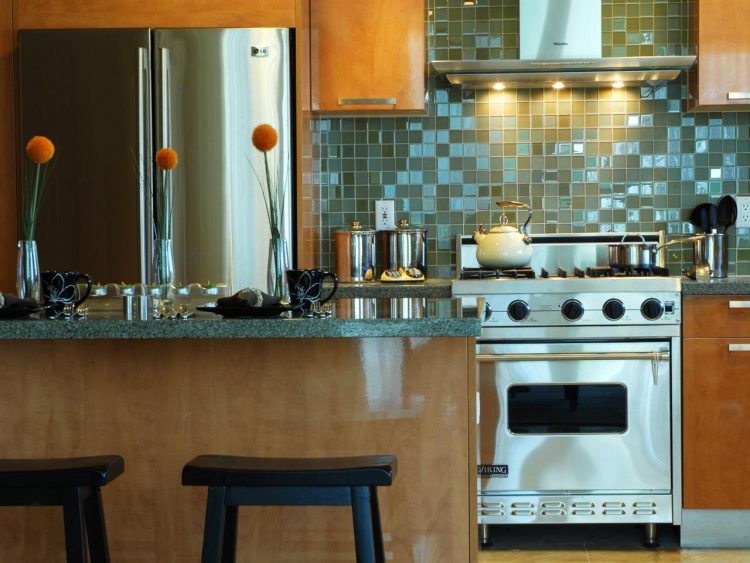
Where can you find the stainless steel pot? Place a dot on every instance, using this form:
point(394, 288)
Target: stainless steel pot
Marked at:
point(404, 247)
point(355, 253)
point(643, 255)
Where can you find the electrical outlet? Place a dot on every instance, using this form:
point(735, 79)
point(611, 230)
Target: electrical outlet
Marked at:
point(743, 211)
point(384, 215)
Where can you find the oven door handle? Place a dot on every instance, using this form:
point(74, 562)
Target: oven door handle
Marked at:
point(653, 357)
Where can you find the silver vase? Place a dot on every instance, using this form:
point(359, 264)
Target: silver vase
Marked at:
point(163, 263)
point(28, 280)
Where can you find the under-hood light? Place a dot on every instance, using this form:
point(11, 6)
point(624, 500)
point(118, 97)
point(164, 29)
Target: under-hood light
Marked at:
point(558, 85)
point(498, 86)
point(618, 84)
point(596, 73)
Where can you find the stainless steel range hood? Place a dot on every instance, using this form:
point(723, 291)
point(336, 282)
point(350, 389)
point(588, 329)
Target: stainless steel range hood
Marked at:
point(560, 45)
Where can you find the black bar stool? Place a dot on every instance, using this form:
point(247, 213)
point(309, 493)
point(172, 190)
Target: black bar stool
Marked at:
point(244, 481)
point(73, 483)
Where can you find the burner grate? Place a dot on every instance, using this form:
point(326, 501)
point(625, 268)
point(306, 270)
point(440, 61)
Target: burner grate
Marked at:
point(487, 273)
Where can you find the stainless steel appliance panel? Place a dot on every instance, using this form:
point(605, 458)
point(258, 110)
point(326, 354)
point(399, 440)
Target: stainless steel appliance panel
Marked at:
point(635, 457)
point(560, 29)
point(88, 91)
point(213, 87)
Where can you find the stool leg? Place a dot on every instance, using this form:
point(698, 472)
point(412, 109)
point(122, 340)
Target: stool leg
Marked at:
point(229, 547)
point(74, 526)
point(377, 531)
point(213, 530)
point(363, 529)
point(96, 531)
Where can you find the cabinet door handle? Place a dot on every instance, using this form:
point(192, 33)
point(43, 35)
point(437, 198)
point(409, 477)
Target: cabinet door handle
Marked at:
point(739, 347)
point(738, 95)
point(739, 304)
point(367, 101)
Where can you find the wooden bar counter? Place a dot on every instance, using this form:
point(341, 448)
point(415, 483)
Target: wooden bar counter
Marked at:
point(160, 400)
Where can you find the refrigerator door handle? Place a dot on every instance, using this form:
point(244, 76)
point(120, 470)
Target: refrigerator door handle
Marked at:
point(144, 159)
point(163, 128)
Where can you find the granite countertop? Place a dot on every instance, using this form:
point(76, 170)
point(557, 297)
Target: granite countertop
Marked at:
point(731, 285)
point(439, 287)
point(351, 318)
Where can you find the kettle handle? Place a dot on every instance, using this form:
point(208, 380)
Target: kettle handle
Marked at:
point(520, 205)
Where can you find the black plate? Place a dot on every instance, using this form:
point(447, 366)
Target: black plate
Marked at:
point(13, 313)
point(248, 312)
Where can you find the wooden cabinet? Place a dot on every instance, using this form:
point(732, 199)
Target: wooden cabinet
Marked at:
point(367, 56)
point(716, 402)
point(721, 32)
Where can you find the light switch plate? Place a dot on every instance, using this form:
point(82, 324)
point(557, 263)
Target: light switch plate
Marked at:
point(743, 212)
point(384, 215)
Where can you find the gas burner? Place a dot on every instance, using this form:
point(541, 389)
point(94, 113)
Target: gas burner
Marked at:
point(484, 273)
point(607, 272)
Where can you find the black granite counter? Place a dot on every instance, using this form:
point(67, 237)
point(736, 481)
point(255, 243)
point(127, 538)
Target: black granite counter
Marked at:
point(732, 285)
point(350, 318)
point(435, 288)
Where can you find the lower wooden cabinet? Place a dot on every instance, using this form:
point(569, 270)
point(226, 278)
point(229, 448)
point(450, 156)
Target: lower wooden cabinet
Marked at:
point(716, 418)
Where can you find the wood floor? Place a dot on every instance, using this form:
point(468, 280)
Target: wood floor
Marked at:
point(594, 544)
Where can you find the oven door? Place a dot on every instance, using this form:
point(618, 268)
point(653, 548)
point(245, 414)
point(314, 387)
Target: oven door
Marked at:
point(574, 417)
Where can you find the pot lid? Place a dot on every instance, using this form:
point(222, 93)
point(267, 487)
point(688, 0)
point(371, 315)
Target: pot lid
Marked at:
point(355, 228)
point(404, 227)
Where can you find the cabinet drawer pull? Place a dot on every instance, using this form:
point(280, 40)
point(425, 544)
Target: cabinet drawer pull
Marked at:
point(367, 101)
point(739, 304)
point(738, 95)
point(739, 347)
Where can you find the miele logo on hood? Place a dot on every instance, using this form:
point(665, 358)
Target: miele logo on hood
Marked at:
point(560, 29)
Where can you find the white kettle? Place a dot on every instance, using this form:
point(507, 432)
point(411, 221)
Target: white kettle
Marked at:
point(504, 246)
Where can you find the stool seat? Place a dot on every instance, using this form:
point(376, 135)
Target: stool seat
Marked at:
point(237, 471)
point(94, 471)
point(235, 481)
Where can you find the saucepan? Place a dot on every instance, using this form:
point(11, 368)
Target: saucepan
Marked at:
point(643, 255)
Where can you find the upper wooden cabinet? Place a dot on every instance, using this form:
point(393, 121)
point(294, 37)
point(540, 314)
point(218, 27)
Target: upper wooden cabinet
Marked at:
point(367, 56)
point(720, 79)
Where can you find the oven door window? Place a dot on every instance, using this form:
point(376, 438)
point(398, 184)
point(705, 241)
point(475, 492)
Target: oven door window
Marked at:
point(568, 409)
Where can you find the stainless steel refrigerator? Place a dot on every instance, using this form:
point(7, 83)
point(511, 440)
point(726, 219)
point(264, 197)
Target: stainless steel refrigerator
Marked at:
point(109, 98)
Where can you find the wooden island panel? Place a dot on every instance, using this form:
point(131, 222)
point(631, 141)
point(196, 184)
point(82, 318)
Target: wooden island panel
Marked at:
point(159, 403)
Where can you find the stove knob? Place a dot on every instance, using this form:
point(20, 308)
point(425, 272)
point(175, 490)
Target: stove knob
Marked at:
point(518, 310)
point(572, 309)
point(652, 309)
point(613, 309)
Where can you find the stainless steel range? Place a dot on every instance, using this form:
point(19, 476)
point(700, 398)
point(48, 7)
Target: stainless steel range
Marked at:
point(578, 387)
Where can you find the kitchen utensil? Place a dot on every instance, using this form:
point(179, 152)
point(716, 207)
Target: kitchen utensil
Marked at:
point(354, 249)
point(700, 216)
point(504, 246)
point(727, 211)
point(404, 247)
point(712, 250)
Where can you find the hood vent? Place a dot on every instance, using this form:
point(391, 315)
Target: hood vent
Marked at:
point(560, 46)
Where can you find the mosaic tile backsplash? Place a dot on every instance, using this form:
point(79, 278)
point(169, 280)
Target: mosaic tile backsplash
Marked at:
point(586, 160)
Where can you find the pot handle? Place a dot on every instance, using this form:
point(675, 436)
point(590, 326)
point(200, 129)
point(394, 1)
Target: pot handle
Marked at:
point(681, 240)
point(626, 235)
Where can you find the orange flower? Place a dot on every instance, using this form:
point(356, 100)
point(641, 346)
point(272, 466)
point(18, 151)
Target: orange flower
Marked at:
point(166, 158)
point(40, 149)
point(264, 137)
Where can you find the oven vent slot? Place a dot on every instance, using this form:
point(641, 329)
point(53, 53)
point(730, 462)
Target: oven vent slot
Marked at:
point(582, 512)
point(613, 512)
point(553, 512)
point(644, 512)
point(522, 512)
